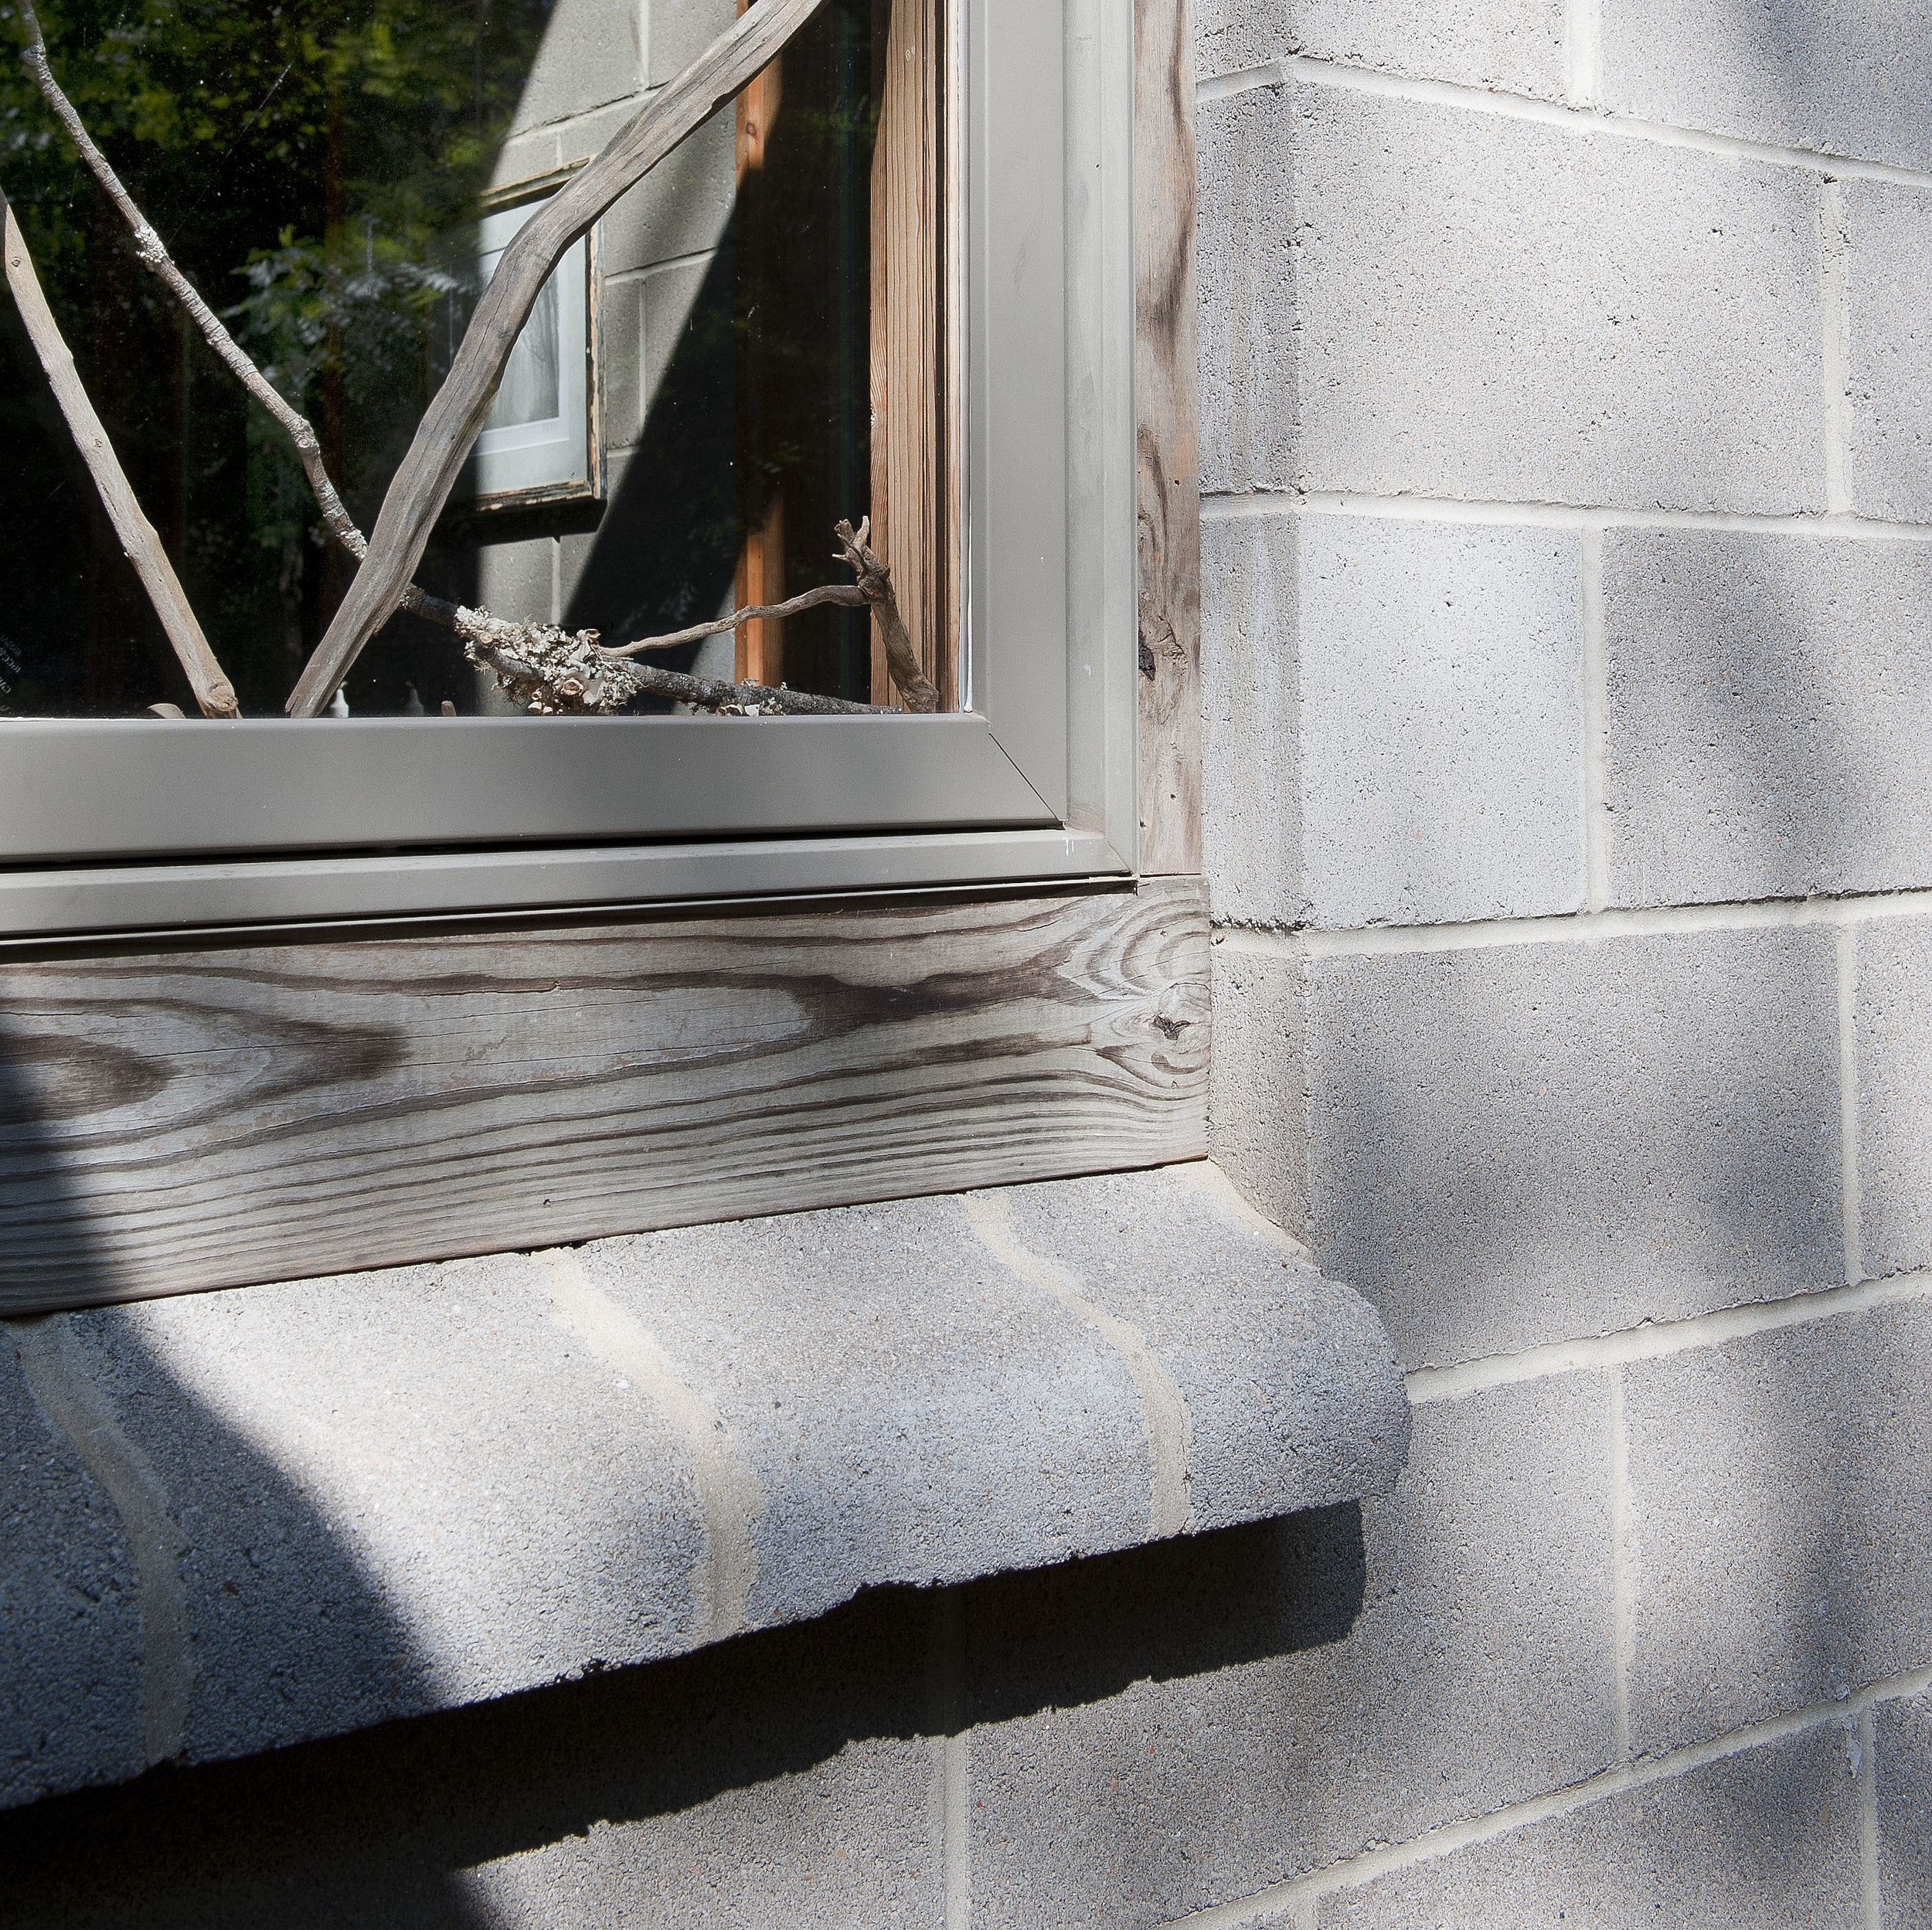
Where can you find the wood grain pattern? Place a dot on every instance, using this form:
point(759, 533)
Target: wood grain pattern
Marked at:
point(1167, 343)
point(186, 1118)
point(909, 460)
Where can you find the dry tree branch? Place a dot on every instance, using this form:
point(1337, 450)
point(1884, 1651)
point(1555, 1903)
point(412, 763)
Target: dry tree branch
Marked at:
point(552, 671)
point(555, 673)
point(154, 254)
point(214, 692)
point(422, 485)
point(848, 594)
point(875, 586)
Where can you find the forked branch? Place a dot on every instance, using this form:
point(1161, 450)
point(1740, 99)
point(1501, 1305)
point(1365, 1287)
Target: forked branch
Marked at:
point(549, 670)
point(553, 673)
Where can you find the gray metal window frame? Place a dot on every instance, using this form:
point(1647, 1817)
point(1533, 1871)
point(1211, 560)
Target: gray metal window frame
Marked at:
point(107, 826)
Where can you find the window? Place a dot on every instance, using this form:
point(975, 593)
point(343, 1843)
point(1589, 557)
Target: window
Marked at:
point(542, 441)
point(959, 362)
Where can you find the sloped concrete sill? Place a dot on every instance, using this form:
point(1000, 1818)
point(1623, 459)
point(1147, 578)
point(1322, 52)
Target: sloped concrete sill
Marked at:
point(242, 1519)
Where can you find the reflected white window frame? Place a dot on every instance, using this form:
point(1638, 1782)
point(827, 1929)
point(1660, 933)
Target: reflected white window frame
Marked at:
point(560, 459)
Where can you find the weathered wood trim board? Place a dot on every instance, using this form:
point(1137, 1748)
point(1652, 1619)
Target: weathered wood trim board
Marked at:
point(193, 1115)
point(1167, 437)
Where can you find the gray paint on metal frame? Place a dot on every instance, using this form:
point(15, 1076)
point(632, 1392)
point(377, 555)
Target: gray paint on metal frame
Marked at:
point(1051, 642)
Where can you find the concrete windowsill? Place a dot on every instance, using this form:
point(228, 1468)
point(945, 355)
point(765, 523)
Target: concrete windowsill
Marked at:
point(242, 1520)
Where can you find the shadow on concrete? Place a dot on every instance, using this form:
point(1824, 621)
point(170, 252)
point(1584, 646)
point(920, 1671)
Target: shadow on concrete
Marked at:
point(378, 1827)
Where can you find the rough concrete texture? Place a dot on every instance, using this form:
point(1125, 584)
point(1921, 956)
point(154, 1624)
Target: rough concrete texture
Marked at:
point(680, 30)
point(398, 1491)
point(1435, 669)
point(1887, 240)
point(1258, 1348)
point(1515, 46)
point(1026, 1407)
point(1402, 297)
point(681, 208)
point(1767, 1837)
point(786, 1779)
point(422, 1489)
point(1517, 1144)
point(1892, 969)
point(1781, 1522)
point(1764, 703)
point(590, 54)
point(1258, 1094)
point(519, 579)
point(1903, 1753)
point(1446, 1653)
point(70, 1686)
point(625, 396)
point(1248, 231)
point(1852, 81)
point(1251, 720)
point(1442, 699)
point(850, 1841)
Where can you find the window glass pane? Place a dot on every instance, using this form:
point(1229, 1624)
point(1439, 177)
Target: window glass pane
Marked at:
point(700, 394)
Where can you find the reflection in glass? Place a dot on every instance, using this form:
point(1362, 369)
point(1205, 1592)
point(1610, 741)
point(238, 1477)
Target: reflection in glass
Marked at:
point(531, 389)
point(323, 170)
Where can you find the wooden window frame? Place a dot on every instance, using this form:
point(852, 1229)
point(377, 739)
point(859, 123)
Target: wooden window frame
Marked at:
point(308, 1062)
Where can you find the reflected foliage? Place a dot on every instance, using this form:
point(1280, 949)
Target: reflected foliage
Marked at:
point(301, 158)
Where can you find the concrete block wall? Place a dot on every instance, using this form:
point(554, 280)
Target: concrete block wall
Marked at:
point(1568, 597)
point(1567, 593)
point(598, 61)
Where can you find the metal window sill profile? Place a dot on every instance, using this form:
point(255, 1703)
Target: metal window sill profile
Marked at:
point(251, 1518)
point(582, 814)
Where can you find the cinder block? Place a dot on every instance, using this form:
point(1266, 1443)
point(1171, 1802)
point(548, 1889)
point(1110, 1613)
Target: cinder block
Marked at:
point(1247, 236)
point(850, 1841)
point(1517, 1144)
point(1514, 46)
point(589, 55)
point(1781, 1522)
point(1888, 292)
point(773, 1318)
point(1892, 977)
point(515, 580)
point(1251, 715)
point(1765, 701)
point(1265, 1355)
point(682, 207)
point(680, 30)
point(377, 1561)
point(1903, 1751)
point(1768, 1836)
point(70, 1709)
point(784, 1780)
point(1258, 1089)
point(1435, 671)
point(1846, 80)
point(624, 378)
point(685, 308)
point(1484, 307)
point(1229, 1712)
point(1442, 703)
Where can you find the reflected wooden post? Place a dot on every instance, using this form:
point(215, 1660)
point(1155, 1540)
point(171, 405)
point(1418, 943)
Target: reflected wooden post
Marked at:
point(911, 492)
point(760, 576)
